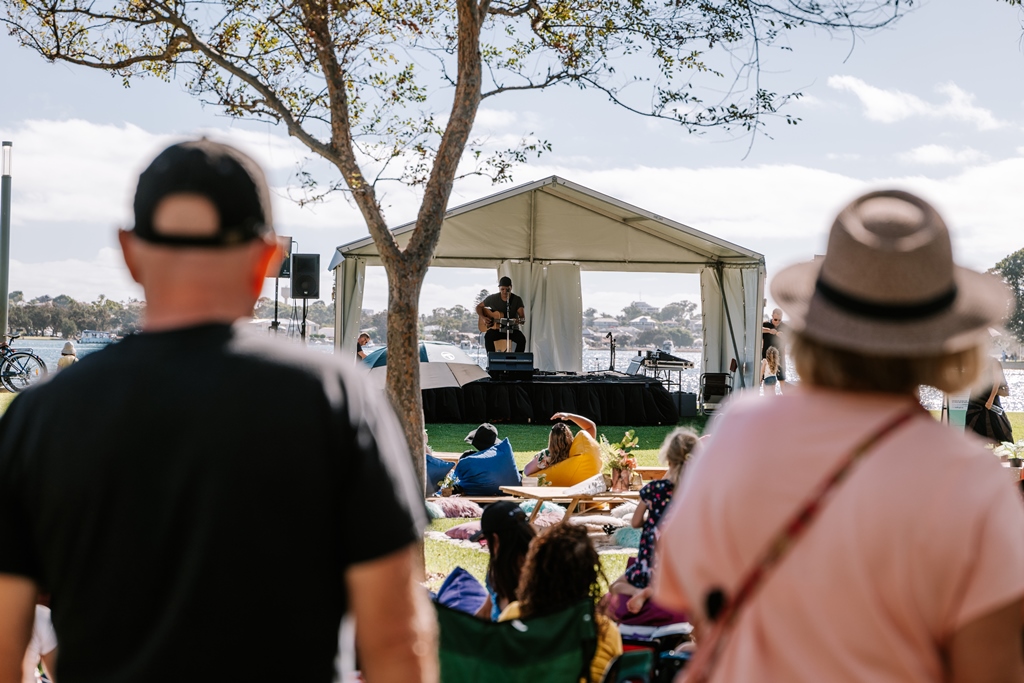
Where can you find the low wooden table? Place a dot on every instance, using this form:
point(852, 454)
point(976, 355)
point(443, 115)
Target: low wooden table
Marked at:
point(557, 494)
point(651, 473)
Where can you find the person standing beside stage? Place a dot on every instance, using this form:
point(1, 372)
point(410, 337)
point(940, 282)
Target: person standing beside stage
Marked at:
point(773, 335)
point(504, 304)
point(361, 341)
point(183, 533)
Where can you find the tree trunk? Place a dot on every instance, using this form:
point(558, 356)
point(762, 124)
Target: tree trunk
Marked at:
point(403, 383)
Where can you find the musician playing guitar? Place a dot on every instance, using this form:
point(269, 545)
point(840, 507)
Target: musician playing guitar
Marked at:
point(504, 304)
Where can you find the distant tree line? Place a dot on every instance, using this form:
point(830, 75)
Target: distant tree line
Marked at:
point(66, 317)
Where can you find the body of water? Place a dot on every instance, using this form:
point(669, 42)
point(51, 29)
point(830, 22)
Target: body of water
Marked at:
point(49, 349)
point(593, 360)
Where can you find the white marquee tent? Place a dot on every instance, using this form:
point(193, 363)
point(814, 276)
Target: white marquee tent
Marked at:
point(544, 233)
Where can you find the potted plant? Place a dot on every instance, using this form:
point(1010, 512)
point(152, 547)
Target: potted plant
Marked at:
point(1010, 452)
point(618, 461)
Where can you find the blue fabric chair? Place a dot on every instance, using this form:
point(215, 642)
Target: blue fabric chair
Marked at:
point(461, 591)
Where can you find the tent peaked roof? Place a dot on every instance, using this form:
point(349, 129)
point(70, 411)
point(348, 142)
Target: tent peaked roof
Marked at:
point(557, 220)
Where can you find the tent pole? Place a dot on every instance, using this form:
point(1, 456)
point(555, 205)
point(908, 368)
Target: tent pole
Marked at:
point(728, 319)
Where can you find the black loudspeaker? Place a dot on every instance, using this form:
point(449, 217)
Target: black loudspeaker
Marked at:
point(501, 365)
point(305, 276)
point(686, 403)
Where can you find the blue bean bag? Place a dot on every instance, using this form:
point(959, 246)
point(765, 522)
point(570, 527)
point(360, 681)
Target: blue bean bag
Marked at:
point(437, 469)
point(461, 591)
point(483, 473)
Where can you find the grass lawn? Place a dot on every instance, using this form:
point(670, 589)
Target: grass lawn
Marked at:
point(442, 557)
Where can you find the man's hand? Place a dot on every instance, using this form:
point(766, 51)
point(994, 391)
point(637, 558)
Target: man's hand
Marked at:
point(396, 631)
point(17, 612)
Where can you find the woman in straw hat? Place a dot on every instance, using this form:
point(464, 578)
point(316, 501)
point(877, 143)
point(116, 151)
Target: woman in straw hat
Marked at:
point(871, 543)
point(68, 356)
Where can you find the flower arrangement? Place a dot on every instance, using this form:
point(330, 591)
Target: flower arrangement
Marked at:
point(448, 484)
point(618, 455)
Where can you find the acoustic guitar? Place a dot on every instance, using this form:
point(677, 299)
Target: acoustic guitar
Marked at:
point(486, 322)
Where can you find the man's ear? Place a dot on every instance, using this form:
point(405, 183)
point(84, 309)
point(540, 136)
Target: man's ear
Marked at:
point(127, 241)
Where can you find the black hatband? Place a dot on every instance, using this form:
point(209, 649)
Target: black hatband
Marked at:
point(870, 309)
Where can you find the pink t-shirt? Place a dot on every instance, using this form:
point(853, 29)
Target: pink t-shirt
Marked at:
point(926, 535)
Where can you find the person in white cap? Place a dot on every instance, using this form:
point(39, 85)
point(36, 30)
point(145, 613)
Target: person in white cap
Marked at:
point(68, 356)
point(871, 542)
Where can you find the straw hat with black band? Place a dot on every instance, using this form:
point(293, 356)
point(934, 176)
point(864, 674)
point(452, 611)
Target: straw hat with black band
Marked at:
point(887, 285)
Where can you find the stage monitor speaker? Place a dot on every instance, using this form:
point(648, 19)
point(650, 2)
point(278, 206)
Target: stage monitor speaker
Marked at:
point(686, 403)
point(305, 276)
point(510, 366)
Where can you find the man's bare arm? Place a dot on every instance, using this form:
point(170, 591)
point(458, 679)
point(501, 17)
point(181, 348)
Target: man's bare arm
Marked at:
point(396, 630)
point(988, 649)
point(17, 612)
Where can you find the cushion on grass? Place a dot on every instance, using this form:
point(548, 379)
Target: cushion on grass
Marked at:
point(627, 537)
point(584, 462)
point(546, 506)
point(597, 520)
point(546, 519)
point(462, 591)
point(436, 470)
point(624, 511)
point(459, 507)
point(462, 532)
point(434, 510)
point(484, 473)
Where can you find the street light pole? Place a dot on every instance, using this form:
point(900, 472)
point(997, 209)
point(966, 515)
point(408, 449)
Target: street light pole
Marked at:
point(5, 233)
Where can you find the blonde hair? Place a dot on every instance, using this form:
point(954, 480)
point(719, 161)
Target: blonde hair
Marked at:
point(825, 366)
point(676, 450)
point(772, 356)
point(559, 443)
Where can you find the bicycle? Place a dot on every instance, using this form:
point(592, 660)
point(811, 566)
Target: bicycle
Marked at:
point(19, 368)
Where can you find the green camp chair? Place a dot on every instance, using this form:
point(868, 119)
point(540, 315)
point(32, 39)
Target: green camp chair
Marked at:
point(551, 649)
point(634, 666)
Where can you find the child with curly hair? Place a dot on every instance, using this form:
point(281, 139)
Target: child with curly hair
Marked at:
point(676, 451)
point(563, 569)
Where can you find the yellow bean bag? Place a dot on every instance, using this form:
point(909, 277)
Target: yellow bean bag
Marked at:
point(584, 461)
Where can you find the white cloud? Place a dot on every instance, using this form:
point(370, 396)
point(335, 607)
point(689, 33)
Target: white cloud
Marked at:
point(939, 154)
point(77, 186)
point(891, 106)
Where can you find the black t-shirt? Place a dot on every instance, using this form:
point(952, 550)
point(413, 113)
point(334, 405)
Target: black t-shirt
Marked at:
point(192, 500)
point(509, 309)
point(769, 339)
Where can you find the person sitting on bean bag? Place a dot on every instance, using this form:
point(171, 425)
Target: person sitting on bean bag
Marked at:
point(558, 462)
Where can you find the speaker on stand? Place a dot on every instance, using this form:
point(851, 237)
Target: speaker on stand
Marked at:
point(305, 282)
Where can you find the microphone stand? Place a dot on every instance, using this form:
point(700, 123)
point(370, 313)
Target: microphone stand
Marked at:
point(611, 346)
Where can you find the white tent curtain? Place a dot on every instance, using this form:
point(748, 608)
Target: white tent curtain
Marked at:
point(348, 290)
point(557, 317)
point(731, 301)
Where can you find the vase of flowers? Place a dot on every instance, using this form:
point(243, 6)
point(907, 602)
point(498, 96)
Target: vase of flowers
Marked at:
point(619, 462)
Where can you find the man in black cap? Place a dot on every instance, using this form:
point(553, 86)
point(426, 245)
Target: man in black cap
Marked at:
point(182, 534)
point(481, 438)
point(504, 304)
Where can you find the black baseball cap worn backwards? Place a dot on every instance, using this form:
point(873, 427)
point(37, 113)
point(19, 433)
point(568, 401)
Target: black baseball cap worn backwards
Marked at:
point(232, 181)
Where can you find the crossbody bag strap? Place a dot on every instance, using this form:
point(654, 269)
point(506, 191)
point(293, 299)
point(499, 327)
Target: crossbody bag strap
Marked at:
point(709, 647)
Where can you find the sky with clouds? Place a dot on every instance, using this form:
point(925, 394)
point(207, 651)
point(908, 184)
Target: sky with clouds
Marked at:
point(933, 104)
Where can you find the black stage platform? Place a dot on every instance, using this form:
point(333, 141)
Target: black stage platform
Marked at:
point(606, 398)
